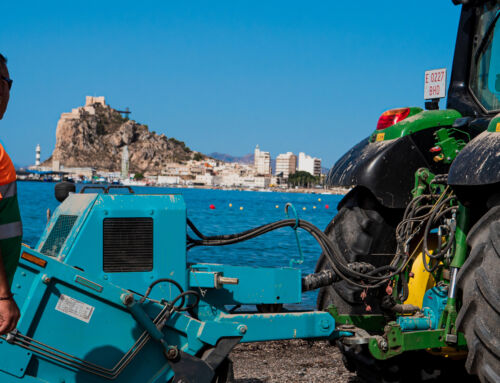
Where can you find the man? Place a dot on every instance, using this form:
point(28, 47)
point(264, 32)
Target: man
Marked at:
point(10, 219)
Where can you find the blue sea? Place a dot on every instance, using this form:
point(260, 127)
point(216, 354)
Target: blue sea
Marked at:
point(234, 211)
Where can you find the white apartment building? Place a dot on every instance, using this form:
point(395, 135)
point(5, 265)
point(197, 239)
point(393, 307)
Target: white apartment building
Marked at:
point(262, 162)
point(208, 179)
point(286, 163)
point(309, 164)
point(169, 180)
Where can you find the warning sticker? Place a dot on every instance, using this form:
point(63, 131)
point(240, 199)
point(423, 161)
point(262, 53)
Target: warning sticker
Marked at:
point(75, 308)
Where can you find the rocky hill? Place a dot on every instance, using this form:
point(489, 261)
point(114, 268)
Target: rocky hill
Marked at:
point(94, 136)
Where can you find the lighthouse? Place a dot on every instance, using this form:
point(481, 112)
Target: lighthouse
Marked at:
point(37, 158)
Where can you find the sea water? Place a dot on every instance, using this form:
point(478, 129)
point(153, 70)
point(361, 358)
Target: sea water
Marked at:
point(234, 211)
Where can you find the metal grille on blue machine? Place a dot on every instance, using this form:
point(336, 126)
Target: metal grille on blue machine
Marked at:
point(58, 235)
point(127, 244)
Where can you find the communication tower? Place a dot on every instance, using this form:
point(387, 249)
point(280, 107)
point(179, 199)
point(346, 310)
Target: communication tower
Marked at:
point(125, 162)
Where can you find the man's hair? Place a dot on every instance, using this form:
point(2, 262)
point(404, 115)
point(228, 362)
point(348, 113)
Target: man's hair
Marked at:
point(3, 59)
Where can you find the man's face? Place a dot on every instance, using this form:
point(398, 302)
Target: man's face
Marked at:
point(4, 89)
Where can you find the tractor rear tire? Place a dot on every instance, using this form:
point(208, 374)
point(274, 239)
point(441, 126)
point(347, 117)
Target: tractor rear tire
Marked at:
point(479, 282)
point(365, 232)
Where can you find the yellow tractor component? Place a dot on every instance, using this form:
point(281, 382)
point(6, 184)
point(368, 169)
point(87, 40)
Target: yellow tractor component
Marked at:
point(420, 282)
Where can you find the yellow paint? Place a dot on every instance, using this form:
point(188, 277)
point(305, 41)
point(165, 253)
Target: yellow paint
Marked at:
point(420, 283)
point(304, 208)
point(241, 207)
point(230, 205)
point(277, 206)
point(498, 127)
point(314, 207)
point(319, 199)
point(380, 137)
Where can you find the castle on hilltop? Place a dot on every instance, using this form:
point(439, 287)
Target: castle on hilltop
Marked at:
point(90, 101)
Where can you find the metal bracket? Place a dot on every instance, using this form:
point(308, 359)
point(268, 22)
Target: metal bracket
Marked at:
point(360, 336)
point(190, 369)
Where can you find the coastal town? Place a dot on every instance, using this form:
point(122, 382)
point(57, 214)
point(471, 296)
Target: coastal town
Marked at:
point(287, 172)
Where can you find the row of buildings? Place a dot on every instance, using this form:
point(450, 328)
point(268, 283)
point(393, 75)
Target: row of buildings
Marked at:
point(286, 164)
point(208, 172)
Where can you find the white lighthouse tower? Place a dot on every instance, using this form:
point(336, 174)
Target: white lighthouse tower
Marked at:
point(37, 158)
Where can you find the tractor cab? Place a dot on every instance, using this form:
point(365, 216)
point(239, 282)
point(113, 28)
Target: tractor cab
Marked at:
point(475, 83)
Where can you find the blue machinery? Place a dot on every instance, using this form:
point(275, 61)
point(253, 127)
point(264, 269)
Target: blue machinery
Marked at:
point(107, 294)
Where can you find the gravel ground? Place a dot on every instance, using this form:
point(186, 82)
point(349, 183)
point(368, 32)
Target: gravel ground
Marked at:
point(289, 361)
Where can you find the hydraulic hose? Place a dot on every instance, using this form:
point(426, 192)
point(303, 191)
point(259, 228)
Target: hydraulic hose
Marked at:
point(371, 279)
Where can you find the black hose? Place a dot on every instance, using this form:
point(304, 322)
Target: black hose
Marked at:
point(161, 280)
point(182, 296)
point(338, 263)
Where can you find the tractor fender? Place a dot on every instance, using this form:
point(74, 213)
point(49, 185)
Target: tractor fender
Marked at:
point(478, 163)
point(386, 168)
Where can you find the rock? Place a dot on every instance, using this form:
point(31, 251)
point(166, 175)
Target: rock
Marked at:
point(93, 136)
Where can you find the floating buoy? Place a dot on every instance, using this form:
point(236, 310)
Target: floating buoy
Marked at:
point(327, 206)
point(304, 208)
point(212, 206)
point(314, 207)
point(319, 199)
point(277, 206)
point(241, 207)
point(230, 205)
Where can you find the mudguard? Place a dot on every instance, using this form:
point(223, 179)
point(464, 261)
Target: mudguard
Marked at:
point(478, 163)
point(386, 168)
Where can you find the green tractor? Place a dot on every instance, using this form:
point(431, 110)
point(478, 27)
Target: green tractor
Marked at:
point(416, 242)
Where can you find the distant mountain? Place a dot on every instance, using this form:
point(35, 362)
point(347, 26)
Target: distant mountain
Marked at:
point(246, 159)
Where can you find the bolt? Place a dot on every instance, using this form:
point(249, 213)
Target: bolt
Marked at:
point(383, 345)
point(325, 324)
point(172, 353)
point(242, 329)
point(127, 299)
point(45, 278)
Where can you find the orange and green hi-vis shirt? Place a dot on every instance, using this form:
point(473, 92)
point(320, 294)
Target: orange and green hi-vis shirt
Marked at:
point(11, 229)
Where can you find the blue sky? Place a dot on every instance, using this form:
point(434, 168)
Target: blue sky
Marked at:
point(223, 76)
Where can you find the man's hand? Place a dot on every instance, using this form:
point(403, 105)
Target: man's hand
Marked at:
point(9, 315)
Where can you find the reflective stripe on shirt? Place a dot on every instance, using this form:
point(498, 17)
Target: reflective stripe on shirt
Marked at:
point(8, 190)
point(11, 230)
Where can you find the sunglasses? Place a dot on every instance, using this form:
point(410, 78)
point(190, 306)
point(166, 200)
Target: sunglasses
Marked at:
point(9, 81)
